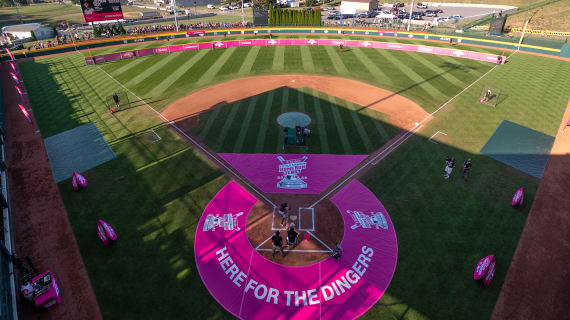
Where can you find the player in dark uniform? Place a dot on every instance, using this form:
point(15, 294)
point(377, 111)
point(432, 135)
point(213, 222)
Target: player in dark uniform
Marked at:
point(277, 243)
point(449, 167)
point(466, 169)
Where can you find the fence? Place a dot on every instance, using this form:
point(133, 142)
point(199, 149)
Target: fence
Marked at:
point(8, 310)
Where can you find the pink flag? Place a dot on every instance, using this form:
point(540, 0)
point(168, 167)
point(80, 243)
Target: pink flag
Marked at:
point(10, 54)
point(25, 112)
point(13, 67)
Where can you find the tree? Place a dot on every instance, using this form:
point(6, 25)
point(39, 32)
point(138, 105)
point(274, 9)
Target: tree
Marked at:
point(33, 36)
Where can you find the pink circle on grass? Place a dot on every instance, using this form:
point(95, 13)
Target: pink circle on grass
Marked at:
point(252, 287)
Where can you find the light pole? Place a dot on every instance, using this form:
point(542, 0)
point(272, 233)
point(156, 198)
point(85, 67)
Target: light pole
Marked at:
point(410, 17)
point(242, 14)
point(173, 7)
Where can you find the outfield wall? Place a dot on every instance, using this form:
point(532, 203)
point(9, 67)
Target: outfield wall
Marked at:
point(291, 30)
point(295, 42)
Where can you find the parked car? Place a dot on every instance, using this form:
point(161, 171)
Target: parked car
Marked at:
point(224, 8)
point(331, 8)
point(372, 14)
point(431, 13)
point(248, 4)
point(210, 6)
point(443, 19)
point(399, 5)
point(362, 15)
point(439, 10)
point(422, 6)
point(456, 18)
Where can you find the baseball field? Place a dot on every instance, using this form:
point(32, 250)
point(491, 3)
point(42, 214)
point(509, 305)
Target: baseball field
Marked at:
point(155, 190)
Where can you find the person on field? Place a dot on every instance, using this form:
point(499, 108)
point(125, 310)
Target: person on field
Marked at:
point(292, 235)
point(450, 162)
point(277, 243)
point(284, 213)
point(466, 169)
point(116, 100)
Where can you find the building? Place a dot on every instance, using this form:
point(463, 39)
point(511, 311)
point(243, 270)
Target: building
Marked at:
point(24, 31)
point(361, 5)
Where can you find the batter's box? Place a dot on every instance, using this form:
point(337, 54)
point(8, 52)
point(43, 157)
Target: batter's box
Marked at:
point(276, 220)
point(306, 219)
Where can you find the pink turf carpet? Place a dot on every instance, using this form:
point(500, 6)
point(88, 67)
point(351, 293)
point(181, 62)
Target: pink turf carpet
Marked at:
point(252, 287)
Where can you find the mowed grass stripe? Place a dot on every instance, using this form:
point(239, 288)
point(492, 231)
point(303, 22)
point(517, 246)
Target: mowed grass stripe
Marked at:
point(307, 60)
point(249, 60)
point(211, 118)
point(443, 73)
point(320, 122)
point(279, 59)
point(359, 127)
point(376, 71)
point(284, 104)
point(167, 82)
point(225, 128)
point(216, 66)
point(260, 141)
point(244, 125)
point(336, 60)
point(147, 73)
point(333, 105)
point(377, 124)
point(432, 91)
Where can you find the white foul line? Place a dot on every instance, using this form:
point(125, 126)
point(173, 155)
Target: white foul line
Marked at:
point(401, 139)
point(257, 248)
point(319, 240)
point(431, 138)
point(190, 138)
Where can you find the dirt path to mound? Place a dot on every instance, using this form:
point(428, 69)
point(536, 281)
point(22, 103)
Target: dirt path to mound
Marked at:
point(41, 229)
point(403, 112)
point(536, 286)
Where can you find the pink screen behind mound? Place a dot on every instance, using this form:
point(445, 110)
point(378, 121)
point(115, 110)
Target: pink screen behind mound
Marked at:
point(380, 245)
point(320, 172)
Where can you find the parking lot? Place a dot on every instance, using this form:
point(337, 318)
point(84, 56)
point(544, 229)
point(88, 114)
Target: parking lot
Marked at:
point(460, 13)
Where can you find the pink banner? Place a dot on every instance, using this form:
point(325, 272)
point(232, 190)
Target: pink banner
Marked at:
point(245, 43)
point(205, 45)
point(14, 76)
point(232, 44)
point(19, 91)
point(287, 173)
point(161, 50)
point(195, 32)
point(145, 52)
point(112, 57)
point(127, 55)
point(13, 66)
point(250, 286)
point(99, 59)
point(193, 46)
point(260, 42)
point(323, 42)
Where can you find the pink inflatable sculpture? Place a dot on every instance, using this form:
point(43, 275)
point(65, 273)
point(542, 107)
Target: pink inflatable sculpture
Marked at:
point(518, 198)
point(485, 270)
point(78, 181)
point(106, 233)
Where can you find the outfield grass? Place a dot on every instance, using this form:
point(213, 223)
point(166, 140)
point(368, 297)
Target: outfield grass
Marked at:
point(341, 127)
point(154, 193)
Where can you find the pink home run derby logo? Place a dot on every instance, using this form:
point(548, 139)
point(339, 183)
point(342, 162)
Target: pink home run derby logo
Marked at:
point(250, 286)
point(290, 170)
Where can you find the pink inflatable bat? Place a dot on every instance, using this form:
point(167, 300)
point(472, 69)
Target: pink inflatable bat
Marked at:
point(518, 198)
point(482, 267)
point(78, 181)
point(490, 275)
point(106, 233)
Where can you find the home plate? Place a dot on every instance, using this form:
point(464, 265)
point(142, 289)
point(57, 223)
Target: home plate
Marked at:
point(292, 80)
point(416, 124)
point(293, 218)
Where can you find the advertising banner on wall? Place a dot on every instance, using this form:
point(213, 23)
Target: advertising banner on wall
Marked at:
point(101, 10)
